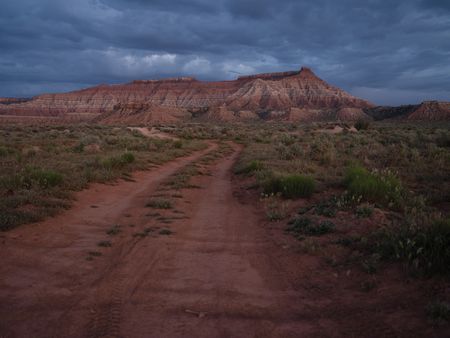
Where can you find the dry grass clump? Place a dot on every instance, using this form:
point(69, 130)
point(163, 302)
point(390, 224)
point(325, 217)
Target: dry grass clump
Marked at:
point(289, 186)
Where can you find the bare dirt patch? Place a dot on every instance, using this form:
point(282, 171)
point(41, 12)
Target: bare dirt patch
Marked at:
point(153, 132)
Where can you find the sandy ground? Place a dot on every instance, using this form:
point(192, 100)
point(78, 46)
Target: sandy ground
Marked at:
point(153, 132)
point(337, 130)
point(220, 273)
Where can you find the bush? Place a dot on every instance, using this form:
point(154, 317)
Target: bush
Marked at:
point(304, 226)
point(32, 176)
point(276, 209)
point(5, 151)
point(159, 203)
point(439, 311)
point(362, 124)
point(291, 186)
point(116, 162)
point(79, 148)
point(178, 144)
point(425, 248)
point(364, 211)
point(250, 168)
point(46, 178)
point(326, 208)
point(127, 158)
point(373, 187)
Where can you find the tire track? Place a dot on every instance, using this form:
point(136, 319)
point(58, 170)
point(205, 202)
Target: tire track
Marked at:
point(121, 282)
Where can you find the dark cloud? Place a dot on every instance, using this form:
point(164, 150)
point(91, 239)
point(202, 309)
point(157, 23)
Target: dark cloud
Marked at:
point(388, 52)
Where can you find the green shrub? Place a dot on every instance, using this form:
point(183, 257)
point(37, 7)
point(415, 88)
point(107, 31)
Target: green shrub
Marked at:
point(79, 148)
point(9, 218)
point(443, 140)
point(5, 151)
point(425, 248)
point(276, 209)
point(127, 158)
point(117, 162)
point(326, 208)
point(114, 230)
point(178, 144)
point(160, 203)
point(46, 178)
point(362, 124)
point(373, 187)
point(303, 225)
point(364, 211)
point(165, 232)
point(104, 244)
point(32, 177)
point(439, 311)
point(250, 167)
point(291, 186)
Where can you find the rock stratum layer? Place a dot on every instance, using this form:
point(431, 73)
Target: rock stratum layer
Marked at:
point(289, 96)
point(274, 96)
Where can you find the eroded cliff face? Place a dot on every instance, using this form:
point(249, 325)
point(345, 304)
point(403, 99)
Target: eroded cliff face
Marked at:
point(431, 111)
point(248, 97)
point(425, 111)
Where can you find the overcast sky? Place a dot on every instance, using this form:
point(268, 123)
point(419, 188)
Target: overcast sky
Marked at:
point(386, 51)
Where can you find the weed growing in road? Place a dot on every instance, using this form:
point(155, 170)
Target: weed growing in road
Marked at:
point(165, 232)
point(104, 244)
point(114, 230)
point(144, 233)
point(160, 203)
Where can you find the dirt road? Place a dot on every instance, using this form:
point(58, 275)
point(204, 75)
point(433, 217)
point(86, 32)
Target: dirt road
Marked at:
point(212, 276)
point(205, 265)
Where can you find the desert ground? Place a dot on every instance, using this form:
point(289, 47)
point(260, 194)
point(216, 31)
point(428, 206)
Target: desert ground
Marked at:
point(225, 230)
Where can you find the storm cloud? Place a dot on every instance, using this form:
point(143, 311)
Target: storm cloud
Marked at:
point(389, 52)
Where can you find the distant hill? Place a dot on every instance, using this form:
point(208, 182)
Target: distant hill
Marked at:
point(296, 96)
point(426, 111)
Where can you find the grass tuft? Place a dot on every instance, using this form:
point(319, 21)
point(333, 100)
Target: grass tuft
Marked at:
point(104, 244)
point(439, 311)
point(425, 248)
point(305, 226)
point(373, 187)
point(159, 203)
point(250, 168)
point(290, 186)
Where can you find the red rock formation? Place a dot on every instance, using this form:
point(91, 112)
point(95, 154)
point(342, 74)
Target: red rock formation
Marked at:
point(12, 100)
point(431, 111)
point(181, 98)
point(426, 111)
